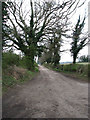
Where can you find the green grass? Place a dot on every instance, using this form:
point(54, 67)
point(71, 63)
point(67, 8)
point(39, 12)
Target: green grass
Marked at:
point(7, 81)
point(10, 81)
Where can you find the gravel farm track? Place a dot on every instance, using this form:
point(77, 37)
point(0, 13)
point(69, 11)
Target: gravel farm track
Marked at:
point(48, 95)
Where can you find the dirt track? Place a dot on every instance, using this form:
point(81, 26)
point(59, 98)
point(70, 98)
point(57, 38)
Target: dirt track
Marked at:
point(48, 95)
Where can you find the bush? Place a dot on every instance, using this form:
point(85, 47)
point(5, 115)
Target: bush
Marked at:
point(9, 59)
point(26, 63)
point(23, 62)
point(15, 70)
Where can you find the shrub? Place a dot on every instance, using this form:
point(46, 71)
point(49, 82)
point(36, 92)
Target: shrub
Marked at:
point(9, 59)
point(26, 63)
point(23, 62)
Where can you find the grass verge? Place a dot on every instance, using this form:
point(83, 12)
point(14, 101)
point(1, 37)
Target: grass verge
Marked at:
point(79, 72)
point(9, 80)
point(15, 70)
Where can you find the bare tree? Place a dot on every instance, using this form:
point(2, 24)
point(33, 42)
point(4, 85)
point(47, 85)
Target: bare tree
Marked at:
point(27, 35)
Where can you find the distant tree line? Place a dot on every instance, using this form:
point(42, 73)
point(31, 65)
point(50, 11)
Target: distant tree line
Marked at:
point(84, 58)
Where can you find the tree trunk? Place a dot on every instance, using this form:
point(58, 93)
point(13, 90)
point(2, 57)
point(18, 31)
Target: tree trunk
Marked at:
point(30, 62)
point(74, 58)
point(30, 53)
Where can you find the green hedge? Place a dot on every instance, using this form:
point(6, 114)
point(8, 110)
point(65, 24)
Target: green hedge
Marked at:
point(83, 69)
point(9, 59)
point(79, 68)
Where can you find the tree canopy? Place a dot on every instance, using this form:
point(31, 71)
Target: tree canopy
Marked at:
point(28, 31)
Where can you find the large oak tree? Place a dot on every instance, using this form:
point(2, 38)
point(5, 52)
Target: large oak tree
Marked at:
point(29, 29)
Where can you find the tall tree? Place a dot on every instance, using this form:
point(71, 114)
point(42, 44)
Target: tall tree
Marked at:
point(78, 42)
point(27, 30)
point(52, 53)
